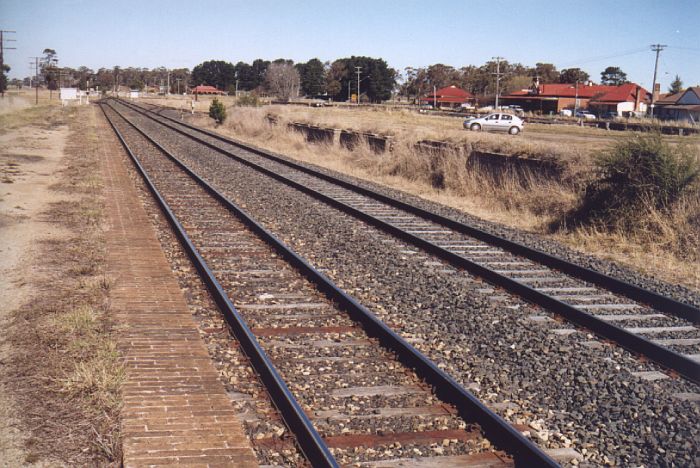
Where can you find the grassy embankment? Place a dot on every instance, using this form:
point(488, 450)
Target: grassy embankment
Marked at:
point(663, 245)
point(65, 368)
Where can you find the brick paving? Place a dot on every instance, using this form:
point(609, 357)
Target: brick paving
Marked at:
point(176, 411)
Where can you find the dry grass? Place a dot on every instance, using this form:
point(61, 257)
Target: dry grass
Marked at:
point(663, 248)
point(66, 373)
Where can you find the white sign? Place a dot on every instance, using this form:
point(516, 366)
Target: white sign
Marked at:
point(133, 94)
point(66, 94)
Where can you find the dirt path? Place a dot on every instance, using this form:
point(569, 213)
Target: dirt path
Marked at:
point(29, 159)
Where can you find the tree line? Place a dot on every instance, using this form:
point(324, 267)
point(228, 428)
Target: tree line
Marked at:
point(336, 80)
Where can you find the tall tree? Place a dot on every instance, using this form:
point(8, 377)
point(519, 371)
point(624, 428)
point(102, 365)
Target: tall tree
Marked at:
point(613, 76)
point(377, 80)
point(216, 73)
point(48, 64)
point(676, 85)
point(312, 77)
point(282, 80)
point(546, 72)
point(572, 75)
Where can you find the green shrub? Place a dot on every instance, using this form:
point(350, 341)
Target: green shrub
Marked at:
point(217, 111)
point(250, 100)
point(637, 175)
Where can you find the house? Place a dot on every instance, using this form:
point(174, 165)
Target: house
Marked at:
point(680, 106)
point(626, 99)
point(204, 89)
point(450, 96)
point(553, 98)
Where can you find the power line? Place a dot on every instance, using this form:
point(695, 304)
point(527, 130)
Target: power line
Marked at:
point(605, 57)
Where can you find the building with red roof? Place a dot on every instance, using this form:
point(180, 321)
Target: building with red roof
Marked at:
point(625, 99)
point(450, 96)
point(683, 106)
point(553, 98)
point(204, 89)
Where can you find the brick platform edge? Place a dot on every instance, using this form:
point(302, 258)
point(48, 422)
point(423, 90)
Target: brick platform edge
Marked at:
point(175, 411)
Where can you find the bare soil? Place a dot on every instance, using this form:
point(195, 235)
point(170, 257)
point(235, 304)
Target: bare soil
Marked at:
point(29, 163)
point(52, 321)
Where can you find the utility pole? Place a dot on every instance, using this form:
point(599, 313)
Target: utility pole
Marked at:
point(655, 48)
point(2, 50)
point(168, 92)
point(178, 85)
point(358, 70)
point(36, 76)
point(498, 77)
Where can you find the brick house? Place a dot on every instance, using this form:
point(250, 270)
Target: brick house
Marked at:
point(555, 97)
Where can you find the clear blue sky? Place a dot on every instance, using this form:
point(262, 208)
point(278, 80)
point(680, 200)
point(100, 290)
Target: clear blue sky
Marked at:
point(589, 34)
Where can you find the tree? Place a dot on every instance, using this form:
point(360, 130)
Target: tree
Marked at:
point(377, 80)
point(48, 68)
point(312, 77)
point(546, 72)
point(216, 73)
point(217, 111)
point(572, 75)
point(676, 85)
point(613, 76)
point(3, 78)
point(282, 79)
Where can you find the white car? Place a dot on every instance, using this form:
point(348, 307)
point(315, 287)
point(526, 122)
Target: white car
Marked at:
point(496, 122)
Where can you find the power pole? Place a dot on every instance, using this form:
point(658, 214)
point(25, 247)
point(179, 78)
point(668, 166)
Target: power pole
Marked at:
point(498, 77)
point(168, 92)
point(36, 76)
point(358, 70)
point(2, 50)
point(178, 85)
point(655, 48)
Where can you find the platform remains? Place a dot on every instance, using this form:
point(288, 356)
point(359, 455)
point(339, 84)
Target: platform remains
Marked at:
point(176, 411)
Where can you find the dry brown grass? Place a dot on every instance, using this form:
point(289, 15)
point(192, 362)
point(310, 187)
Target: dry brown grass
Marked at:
point(660, 249)
point(66, 372)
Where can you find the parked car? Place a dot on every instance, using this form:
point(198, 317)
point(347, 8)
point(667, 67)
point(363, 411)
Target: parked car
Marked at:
point(566, 112)
point(611, 115)
point(584, 114)
point(495, 122)
point(517, 110)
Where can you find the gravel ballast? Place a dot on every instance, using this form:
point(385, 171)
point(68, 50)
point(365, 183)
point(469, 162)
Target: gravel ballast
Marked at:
point(569, 391)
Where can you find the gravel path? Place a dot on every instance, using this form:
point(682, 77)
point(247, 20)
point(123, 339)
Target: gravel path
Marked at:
point(570, 388)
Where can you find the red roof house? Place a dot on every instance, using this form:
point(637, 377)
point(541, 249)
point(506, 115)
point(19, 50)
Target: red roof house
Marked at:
point(450, 96)
point(552, 98)
point(204, 89)
point(626, 98)
point(680, 106)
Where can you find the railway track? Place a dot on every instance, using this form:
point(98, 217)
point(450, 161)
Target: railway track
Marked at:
point(348, 388)
point(658, 328)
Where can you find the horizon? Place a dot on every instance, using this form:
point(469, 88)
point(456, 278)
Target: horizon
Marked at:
point(179, 35)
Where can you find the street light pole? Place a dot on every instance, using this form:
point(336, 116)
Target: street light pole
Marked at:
point(358, 71)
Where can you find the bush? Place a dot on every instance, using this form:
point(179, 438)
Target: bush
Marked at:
point(217, 111)
point(250, 100)
point(638, 175)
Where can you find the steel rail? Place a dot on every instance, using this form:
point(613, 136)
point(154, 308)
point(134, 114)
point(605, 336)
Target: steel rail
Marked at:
point(658, 301)
point(500, 432)
point(665, 357)
point(308, 439)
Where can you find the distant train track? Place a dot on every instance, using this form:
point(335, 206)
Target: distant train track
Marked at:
point(659, 328)
point(331, 367)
